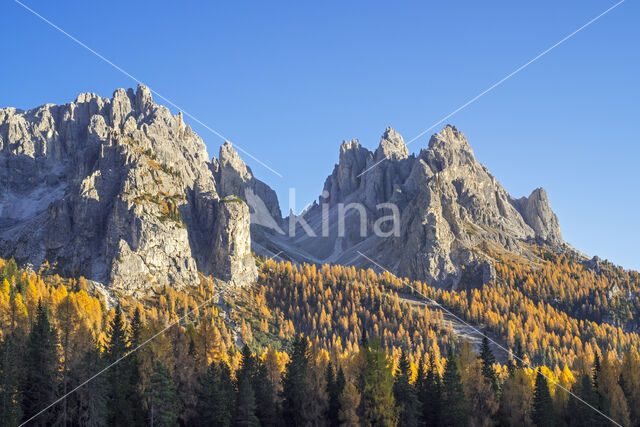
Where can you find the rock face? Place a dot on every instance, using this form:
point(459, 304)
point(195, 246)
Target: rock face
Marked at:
point(120, 191)
point(450, 211)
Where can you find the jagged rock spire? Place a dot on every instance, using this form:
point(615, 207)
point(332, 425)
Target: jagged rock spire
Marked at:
point(391, 146)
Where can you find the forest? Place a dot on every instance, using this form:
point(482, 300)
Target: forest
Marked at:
point(323, 346)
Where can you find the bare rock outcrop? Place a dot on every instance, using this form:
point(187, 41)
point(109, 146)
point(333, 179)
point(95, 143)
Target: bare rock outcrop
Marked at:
point(118, 190)
point(450, 212)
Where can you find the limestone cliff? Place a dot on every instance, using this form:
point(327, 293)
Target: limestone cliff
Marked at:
point(118, 190)
point(450, 208)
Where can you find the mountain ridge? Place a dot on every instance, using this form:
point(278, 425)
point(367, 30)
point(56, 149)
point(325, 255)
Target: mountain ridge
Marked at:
point(124, 193)
point(450, 206)
point(118, 190)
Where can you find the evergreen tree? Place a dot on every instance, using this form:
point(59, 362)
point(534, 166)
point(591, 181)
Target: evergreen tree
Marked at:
point(432, 400)
point(601, 400)
point(294, 387)
point(488, 360)
point(124, 403)
point(581, 413)
point(163, 401)
point(543, 413)
point(266, 409)
point(10, 410)
point(91, 398)
point(335, 385)
point(215, 406)
point(136, 328)
point(377, 401)
point(245, 404)
point(41, 365)
point(454, 411)
point(405, 395)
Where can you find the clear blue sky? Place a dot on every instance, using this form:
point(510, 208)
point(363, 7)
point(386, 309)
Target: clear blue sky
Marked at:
point(289, 81)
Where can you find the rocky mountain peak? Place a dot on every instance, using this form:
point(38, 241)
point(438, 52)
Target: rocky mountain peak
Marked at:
point(391, 146)
point(230, 160)
point(536, 211)
point(118, 190)
point(449, 147)
point(235, 178)
point(450, 208)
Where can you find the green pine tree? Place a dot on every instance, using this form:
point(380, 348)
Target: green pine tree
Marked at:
point(136, 329)
point(124, 401)
point(488, 360)
point(245, 404)
point(91, 398)
point(214, 407)
point(543, 414)
point(266, 409)
point(41, 365)
point(454, 411)
point(294, 387)
point(335, 385)
point(162, 398)
point(405, 394)
point(10, 410)
point(579, 412)
point(432, 395)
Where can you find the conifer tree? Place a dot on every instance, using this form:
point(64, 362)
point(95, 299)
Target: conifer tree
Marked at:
point(266, 409)
point(516, 398)
point(581, 412)
point(136, 328)
point(294, 387)
point(377, 401)
point(163, 402)
point(454, 412)
point(432, 401)
point(10, 410)
point(41, 365)
point(245, 404)
point(91, 398)
point(488, 360)
point(335, 385)
point(123, 403)
point(215, 402)
point(542, 414)
point(405, 394)
point(630, 383)
point(349, 403)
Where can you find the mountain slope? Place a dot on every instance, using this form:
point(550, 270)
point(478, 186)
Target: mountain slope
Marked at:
point(450, 209)
point(122, 192)
point(117, 190)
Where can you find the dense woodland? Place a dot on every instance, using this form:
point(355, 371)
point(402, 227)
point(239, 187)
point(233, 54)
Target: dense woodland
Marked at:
point(324, 346)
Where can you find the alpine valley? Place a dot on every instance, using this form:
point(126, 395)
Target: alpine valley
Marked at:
point(121, 238)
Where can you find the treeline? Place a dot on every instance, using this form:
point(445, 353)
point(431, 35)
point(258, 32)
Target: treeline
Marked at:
point(600, 291)
point(164, 386)
point(413, 371)
point(335, 303)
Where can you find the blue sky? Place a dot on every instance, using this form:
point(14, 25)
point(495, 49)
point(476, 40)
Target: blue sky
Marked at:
point(289, 81)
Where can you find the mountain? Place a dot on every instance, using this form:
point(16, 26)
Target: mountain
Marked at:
point(450, 211)
point(117, 190)
point(122, 192)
